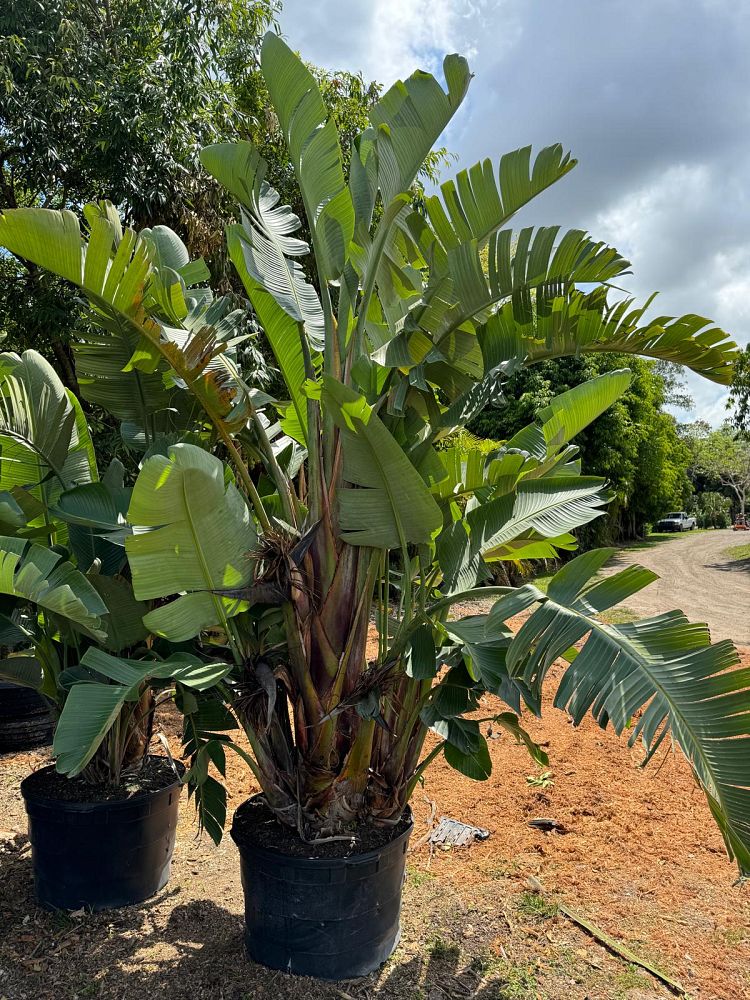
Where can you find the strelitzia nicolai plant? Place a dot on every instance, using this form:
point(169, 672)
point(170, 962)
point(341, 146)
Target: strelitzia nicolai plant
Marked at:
point(289, 543)
point(69, 621)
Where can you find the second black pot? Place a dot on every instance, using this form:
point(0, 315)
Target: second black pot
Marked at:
point(99, 855)
point(332, 918)
point(25, 721)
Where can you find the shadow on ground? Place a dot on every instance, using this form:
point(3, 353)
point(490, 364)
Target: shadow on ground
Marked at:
point(198, 953)
point(734, 566)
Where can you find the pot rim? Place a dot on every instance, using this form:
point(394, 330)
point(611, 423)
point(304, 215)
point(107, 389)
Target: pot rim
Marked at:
point(275, 854)
point(73, 805)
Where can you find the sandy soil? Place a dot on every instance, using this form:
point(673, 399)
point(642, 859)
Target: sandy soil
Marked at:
point(696, 576)
point(641, 858)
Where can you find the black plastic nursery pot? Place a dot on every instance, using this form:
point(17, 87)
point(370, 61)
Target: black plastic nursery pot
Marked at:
point(332, 918)
point(25, 720)
point(99, 855)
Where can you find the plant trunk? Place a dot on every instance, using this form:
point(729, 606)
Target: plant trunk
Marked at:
point(334, 763)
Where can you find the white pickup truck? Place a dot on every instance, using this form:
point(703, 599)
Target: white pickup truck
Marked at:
point(679, 521)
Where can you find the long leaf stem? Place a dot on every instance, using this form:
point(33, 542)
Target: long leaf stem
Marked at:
point(368, 286)
point(422, 766)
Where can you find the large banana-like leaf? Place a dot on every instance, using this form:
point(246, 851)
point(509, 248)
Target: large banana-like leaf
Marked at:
point(567, 414)
point(406, 123)
point(45, 445)
point(535, 450)
point(439, 342)
point(525, 498)
point(192, 535)
point(92, 707)
point(113, 270)
point(124, 620)
point(527, 268)
point(124, 368)
point(387, 504)
point(266, 237)
point(409, 119)
point(22, 669)
point(576, 322)
point(661, 672)
point(95, 517)
point(549, 506)
point(535, 511)
point(41, 576)
point(283, 334)
point(475, 205)
point(313, 145)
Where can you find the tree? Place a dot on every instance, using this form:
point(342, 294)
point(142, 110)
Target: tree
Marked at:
point(119, 98)
point(739, 396)
point(405, 339)
point(713, 510)
point(116, 98)
point(723, 457)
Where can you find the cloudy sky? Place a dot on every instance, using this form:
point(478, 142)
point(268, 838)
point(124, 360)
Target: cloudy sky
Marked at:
point(651, 96)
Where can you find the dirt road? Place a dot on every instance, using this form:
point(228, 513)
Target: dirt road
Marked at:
point(698, 578)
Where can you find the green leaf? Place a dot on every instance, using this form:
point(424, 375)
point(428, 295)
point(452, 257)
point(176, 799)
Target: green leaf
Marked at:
point(511, 723)
point(422, 662)
point(388, 504)
point(114, 275)
point(455, 695)
point(205, 721)
point(50, 239)
point(192, 535)
point(89, 713)
point(515, 603)
point(45, 446)
point(92, 707)
point(41, 576)
point(12, 517)
point(95, 515)
point(475, 205)
point(266, 237)
point(531, 547)
point(283, 334)
point(475, 762)
point(663, 667)
point(148, 343)
point(550, 507)
point(169, 249)
point(314, 150)
point(574, 322)
point(572, 411)
point(124, 622)
point(22, 669)
point(531, 270)
point(210, 798)
point(408, 120)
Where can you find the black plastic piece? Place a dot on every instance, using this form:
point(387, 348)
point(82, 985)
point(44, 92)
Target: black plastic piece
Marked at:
point(99, 855)
point(332, 918)
point(25, 720)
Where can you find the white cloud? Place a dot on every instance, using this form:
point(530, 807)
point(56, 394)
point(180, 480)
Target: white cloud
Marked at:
point(652, 97)
point(385, 39)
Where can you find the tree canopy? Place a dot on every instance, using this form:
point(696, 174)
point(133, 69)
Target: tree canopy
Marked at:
point(723, 457)
point(118, 99)
point(739, 395)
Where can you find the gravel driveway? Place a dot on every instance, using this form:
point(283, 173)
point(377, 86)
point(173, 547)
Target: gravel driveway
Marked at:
point(699, 579)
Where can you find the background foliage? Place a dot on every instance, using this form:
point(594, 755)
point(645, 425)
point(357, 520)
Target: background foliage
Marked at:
point(635, 444)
